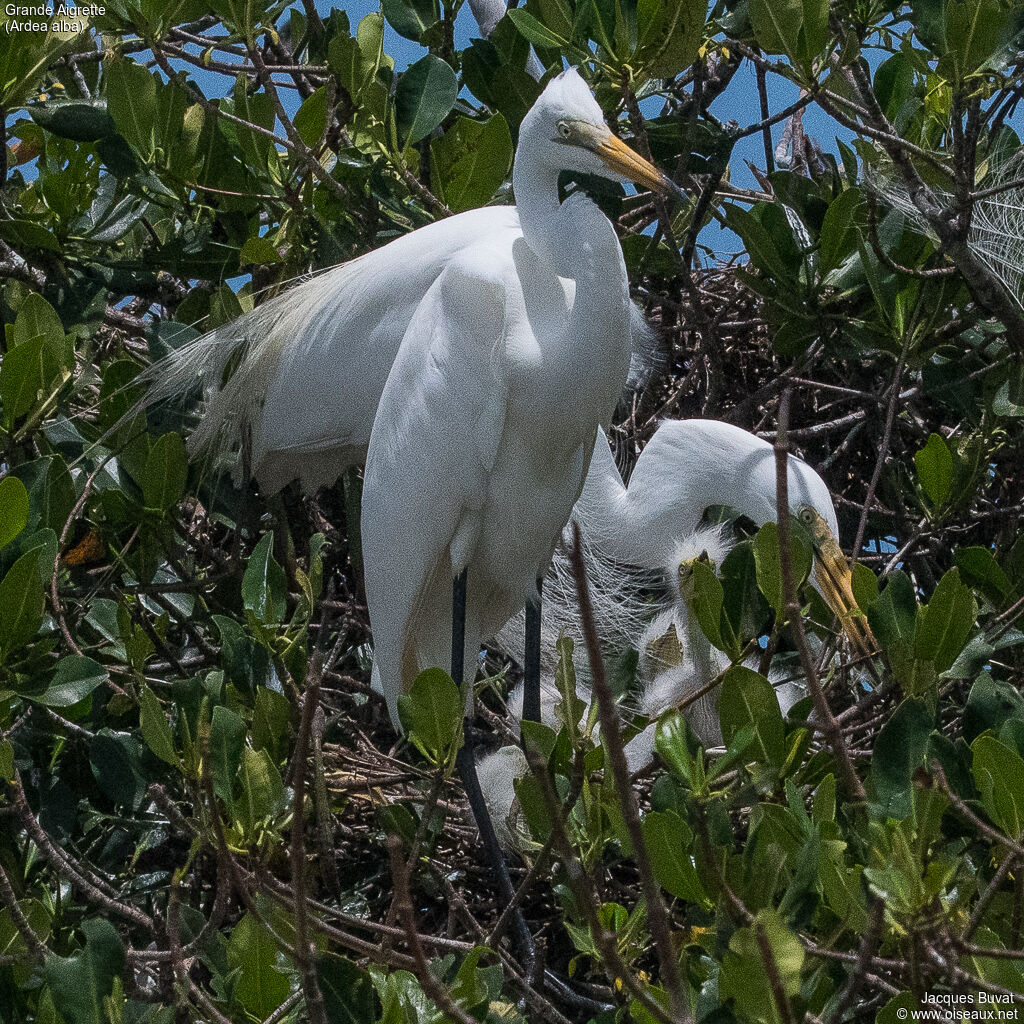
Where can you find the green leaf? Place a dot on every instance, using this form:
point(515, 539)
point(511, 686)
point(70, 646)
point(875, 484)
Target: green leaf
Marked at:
point(668, 35)
point(80, 984)
point(536, 32)
point(898, 752)
point(761, 248)
point(748, 699)
point(116, 762)
point(668, 839)
point(769, 565)
point(777, 25)
point(22, 602)
point(76, 677)
point(935, 470)
point(131, 101)
point(999, 774)
point(431, 712)
point(470, 161)
point(155, 729)
point(356, 60)
point(261, 793)
point(36, 318)
point(425, 95)
point(347, 990)
point(411, 18)
point(264, 588)
point(26, 374)
point(707, 604)
point(945, 624)
point(979, 568)
point(163, 478)
point(261, 988)
point(898, 1009)
point(744, 976)
point(311, 118)
point(270, 717)
point(27, 234)
point(257, 109)
point(227, 738)
point(258, 250)
point(892, 617)
point(974, 30)
point(864, 584)
point(76, 119)
point(13, 509)
point(25, 57)
point(839, 229)
point(989, 704)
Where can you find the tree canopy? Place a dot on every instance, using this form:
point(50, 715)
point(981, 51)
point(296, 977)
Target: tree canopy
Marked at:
point(204, 814)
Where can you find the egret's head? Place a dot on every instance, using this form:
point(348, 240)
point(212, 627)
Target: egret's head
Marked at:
point(708, 544)
point(567, 126)
point(834, 580)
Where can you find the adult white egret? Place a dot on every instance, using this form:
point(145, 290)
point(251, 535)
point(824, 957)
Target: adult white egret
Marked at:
point(636, 537)
point(486, 425)
point(485, 428)
point(640, 543)
point(296, 382)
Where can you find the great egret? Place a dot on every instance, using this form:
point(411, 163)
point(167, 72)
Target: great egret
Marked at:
point(295, 383)
point(485, 429)
point(640, 543)
point(636, 537)
point(486, 425)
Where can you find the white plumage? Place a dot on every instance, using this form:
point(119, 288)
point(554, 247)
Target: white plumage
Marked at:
point(517, 351)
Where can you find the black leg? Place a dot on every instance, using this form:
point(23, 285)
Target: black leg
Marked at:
point(459, 628)
point(465, 763)
point(531, 661)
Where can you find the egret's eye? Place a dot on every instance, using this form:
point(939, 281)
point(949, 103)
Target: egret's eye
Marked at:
point(806, 514)
point(564, 130)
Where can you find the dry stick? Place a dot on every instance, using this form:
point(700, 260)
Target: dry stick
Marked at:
point(616, 969)
point(766, 132)
point(939, 775)
point(829, 725)
point(178, 963)
point(307, 964)
point(284, 1009)
point(867, 945)
point(771, 968)
point(7, 897)
point(433, 988)
point(611, 737)
point(62, 864)
point(883, 450)
point(1010, 861)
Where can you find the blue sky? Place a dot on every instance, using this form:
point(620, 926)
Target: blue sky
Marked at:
point(739, 102)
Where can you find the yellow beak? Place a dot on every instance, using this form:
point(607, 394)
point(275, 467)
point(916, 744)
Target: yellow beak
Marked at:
point(835, 581)
point(618, 157)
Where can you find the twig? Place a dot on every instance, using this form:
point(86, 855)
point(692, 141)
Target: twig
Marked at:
point(307, 964)
point(611, 738)
point(433, 988)
point(829, 726)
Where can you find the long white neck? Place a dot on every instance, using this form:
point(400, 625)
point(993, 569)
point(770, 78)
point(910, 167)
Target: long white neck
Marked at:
point(574, 237)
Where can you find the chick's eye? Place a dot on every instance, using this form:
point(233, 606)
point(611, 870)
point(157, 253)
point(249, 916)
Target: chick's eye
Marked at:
point(564, 130)
point(806, 514)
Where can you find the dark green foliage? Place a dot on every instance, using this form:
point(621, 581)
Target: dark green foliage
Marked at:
point(181, 659)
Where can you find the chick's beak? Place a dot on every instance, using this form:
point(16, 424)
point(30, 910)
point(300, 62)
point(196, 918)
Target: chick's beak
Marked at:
point(835, 581)
point(618, 157)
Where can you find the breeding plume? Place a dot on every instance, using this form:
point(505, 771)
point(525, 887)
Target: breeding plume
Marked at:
point(483, 436)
